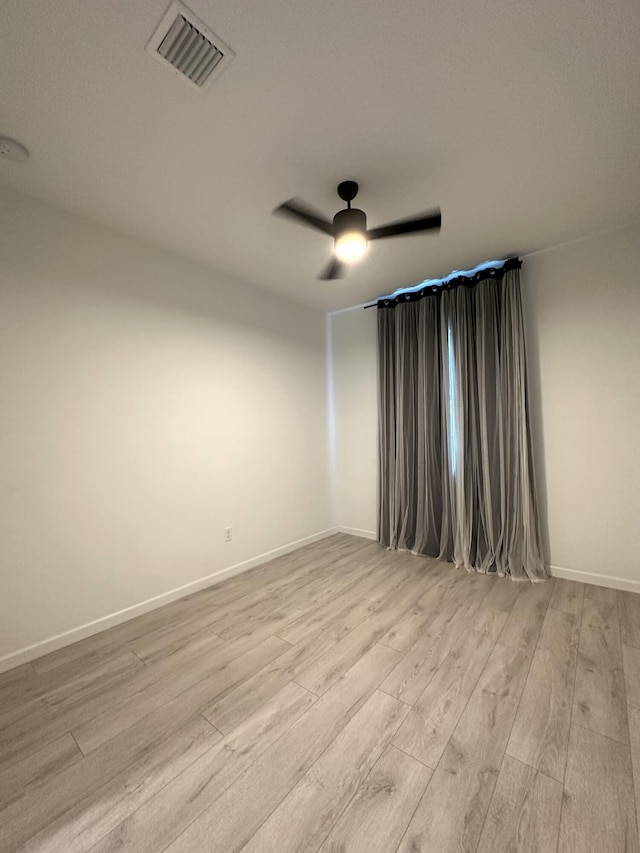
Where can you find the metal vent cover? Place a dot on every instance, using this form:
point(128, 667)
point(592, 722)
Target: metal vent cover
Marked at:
point(189, 47)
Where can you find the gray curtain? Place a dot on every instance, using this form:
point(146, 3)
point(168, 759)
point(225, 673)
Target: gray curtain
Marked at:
point(455, 465)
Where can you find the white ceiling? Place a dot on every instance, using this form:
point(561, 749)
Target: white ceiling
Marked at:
point(520, 120)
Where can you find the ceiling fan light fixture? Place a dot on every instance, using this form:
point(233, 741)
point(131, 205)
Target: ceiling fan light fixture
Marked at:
point(350, 246)
point(349, 228)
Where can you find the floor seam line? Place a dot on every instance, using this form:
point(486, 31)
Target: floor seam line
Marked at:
point(77, 744)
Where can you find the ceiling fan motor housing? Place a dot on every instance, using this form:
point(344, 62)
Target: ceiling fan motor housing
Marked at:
point(346, 221)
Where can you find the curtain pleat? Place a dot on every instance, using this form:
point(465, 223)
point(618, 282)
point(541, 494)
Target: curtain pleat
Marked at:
point(455, 462)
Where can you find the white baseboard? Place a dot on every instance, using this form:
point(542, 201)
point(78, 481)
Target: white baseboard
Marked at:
point(51, 644)
point(354, 531)
point(626, 584)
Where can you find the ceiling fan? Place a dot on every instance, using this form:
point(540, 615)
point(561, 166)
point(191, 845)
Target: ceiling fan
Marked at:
point(349, 228)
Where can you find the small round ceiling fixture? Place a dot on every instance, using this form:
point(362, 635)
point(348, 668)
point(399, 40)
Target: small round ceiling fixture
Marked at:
point(11, 149)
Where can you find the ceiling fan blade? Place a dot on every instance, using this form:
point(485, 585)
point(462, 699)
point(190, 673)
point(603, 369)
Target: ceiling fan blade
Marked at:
point(334, 269)
point(300, 212)
point(430, 221)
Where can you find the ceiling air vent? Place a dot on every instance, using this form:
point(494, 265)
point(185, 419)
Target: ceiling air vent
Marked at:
point(189, 47)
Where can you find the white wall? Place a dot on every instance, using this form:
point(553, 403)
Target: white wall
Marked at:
point(582, 311)
point(355, 388)
point(146, 404)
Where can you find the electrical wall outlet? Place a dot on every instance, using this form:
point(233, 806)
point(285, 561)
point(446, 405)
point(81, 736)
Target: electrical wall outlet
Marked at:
point(228, 534)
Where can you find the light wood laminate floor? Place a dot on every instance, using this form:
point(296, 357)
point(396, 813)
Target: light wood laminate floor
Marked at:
point(340, 698)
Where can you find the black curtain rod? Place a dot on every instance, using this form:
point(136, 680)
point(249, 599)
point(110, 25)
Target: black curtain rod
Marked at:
point(458, 281)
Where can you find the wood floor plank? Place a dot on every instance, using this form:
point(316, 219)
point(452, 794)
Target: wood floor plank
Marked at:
point(329, 667)
point(540, 733)
point(631, 666)
point(304, 562)
point(308, 584)
point(526, 617)
point(36, 809)
point(309, 811)
point(502, 594)
point(101, 676)
point(247, 611)
point(524, 815)
point(426, 731)
point(36, 767)
point(169, 638)
point(114, 720)
point(236, 704)
point(163, 817)
point(33, 709)
point(84, 676)
point(629, 608)
point(18, 686)
point(272, 618)
point(325, 584)
point(45, 725)
point(634, 743)
point(599, 700)
point(18, 675)
point(405, 633)
point(560, 632)
point(599, 593)
point(295, 571)
point(292, 570)
point(333, 612)
point(377, 817)
point(78, 829)
point(631, 661)
point(451, 814)
point(568, 596)
point(193, 657)
point(22, 733)
point(228, 824)
point(80, 654)
point(339, 580)
point(397, 574)
point(418, 666)
point(598, 811)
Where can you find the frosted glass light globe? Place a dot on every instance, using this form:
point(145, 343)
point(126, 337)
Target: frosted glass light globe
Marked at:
point(351, 246)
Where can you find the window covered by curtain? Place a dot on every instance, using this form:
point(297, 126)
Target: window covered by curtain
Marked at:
point(455, 464)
